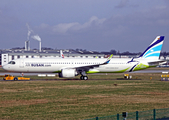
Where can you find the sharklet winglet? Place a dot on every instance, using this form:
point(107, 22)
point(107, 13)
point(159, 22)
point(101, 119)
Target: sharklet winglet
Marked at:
point(108, 60)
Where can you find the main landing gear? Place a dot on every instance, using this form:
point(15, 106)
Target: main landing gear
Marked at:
point(84, 77)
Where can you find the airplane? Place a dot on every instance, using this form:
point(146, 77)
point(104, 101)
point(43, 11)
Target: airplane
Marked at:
point(61, 54)
point(71, 67)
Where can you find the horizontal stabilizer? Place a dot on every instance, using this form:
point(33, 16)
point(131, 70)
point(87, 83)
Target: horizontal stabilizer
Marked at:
point(156, 63)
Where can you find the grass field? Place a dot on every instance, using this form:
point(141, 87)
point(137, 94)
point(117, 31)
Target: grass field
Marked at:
point(102, 95)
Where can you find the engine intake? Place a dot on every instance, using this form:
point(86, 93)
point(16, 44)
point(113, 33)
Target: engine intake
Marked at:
point(68, 73)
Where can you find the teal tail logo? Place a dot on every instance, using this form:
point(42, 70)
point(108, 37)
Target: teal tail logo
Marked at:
point(154, 49)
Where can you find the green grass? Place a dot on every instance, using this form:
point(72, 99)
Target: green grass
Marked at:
point(78, 99)
point(1, 69)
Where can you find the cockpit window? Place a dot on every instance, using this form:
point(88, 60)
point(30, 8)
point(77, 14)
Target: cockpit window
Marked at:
point(11, 62)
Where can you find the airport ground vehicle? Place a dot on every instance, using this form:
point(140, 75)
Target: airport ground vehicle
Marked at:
point(127, 76)
point(11, 77)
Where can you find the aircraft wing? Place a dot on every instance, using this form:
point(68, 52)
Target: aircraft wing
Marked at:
point(87, 67)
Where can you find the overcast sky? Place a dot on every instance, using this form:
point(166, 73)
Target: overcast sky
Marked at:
point(102, 25)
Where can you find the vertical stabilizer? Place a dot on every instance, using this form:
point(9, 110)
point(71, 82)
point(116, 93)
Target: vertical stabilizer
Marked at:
point(61, 54)
point(154, 49)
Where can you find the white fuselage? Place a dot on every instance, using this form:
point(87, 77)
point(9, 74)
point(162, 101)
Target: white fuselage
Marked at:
point(51, 65)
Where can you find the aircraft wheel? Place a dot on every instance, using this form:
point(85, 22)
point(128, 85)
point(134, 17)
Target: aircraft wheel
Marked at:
point(85, 78)
point(82, 77)
point(15, 79)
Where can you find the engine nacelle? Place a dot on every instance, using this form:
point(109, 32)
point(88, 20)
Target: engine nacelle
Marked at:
point(68, 73)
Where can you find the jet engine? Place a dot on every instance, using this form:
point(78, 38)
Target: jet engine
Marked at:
point(68, 73)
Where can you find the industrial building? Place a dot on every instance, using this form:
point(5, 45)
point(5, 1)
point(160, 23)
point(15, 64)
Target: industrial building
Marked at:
point(8, 55)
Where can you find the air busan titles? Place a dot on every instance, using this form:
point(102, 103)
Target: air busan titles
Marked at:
point(68, 68)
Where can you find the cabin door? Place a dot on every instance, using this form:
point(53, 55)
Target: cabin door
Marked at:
point(21, 63)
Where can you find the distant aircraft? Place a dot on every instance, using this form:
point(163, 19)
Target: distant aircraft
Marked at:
point(61, 54)
point(68, 67)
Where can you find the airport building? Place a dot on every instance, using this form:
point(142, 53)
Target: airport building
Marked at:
point(8, 55)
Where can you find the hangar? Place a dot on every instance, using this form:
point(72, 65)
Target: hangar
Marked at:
point(8, 55)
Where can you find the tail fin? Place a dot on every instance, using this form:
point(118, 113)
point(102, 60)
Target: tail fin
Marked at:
point(154, 49)
point(61, 54)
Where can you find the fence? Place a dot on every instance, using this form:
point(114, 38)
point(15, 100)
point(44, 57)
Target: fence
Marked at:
point(155, 114)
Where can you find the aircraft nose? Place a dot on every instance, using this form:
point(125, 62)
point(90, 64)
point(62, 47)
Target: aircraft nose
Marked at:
point(5, 67)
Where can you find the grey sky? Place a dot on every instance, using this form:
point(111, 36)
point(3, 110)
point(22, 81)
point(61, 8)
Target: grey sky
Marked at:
point(124, 25)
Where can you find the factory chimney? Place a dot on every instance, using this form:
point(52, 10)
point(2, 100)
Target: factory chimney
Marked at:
point(40, 46)
point(27, 45)
point(36, 37)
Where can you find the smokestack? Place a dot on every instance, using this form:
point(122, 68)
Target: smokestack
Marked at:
point(36, 37)
point(27, 47)
point(27, 43)
point(39, 46)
